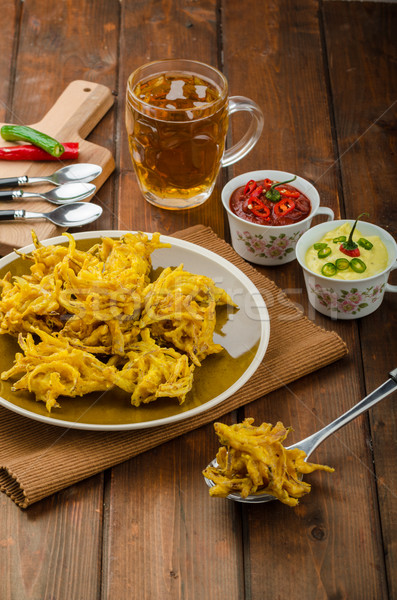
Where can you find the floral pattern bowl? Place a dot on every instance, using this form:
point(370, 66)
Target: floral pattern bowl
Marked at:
point(264, 244)
point(342, 299)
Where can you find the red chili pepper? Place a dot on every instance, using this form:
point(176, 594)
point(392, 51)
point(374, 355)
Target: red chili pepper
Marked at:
point(249, 188)
point(283, 207)
point(30, 152)
point(350, 248)
point(352, 252)
point(257, 208)
point(257, 191)
point(289, 193)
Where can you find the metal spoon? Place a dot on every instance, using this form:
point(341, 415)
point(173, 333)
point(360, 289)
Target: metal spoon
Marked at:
point(64, 194)
point(73, 215)
point(309, 444)
point(82, 172)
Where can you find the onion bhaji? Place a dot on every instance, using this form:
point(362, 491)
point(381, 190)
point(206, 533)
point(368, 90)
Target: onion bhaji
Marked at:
point(253, 460)
point(90, 320)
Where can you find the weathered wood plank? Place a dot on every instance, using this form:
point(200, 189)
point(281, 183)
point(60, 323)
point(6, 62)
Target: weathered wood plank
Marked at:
point(53, 550)
point(362, 55)
point(281, 65)
point(8, 46)
point(61, 42)
point(152, 31)
point(167, 539)
point(163, 537)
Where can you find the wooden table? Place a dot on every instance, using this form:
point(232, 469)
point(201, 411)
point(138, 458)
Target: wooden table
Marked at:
point(324, 75)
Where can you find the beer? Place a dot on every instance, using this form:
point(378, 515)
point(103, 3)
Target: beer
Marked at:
point(177, 152)
point(177, 118)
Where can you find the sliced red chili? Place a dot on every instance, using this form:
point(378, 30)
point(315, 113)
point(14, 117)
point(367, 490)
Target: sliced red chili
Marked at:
point(283, 207)
point(258, 208)
point(249, 188)
point(257, 191)
point(289, 193)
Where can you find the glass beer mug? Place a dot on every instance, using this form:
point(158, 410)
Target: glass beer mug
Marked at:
point(177, 114)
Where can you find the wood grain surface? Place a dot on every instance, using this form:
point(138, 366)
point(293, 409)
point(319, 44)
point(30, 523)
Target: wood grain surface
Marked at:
point(324, 76)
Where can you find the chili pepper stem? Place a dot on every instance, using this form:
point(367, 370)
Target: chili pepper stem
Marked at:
point(350, 238)
point(351, 248)
point(274, 195)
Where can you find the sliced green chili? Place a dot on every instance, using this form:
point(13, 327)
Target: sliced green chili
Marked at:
point(341, 238)
point(342, 264)
point(329, 269)
point(319, 246)
point(365, 244)
point(324, 252)
point(358, 265)
point(12, 133)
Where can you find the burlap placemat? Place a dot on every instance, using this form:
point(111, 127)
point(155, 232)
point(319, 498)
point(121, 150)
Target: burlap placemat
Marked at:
point(37, 460)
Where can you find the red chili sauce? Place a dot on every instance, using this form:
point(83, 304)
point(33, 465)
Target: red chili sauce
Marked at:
point(249, 202)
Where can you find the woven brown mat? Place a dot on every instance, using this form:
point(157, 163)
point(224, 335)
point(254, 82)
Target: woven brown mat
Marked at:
point(37, 460)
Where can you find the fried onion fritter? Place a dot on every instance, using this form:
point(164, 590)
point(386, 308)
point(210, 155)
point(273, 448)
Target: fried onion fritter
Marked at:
point(153, 372)
point(253, 460)
point(53, 368)
point(180, 310)
point(88, 320)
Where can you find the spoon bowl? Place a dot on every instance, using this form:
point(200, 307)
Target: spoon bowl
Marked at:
point(309, 444)
point(78, 172)
point(64, 194)
point(71, 215)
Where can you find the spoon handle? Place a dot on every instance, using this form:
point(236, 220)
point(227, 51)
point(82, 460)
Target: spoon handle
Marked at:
point(10, 194)
point(21, 214)
point(8, 182)
point(12, 215)
point(310, 443)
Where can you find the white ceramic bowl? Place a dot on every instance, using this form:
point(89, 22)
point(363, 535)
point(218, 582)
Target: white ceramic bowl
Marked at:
point(265, 244)
point(341, 299)
point(245, 334)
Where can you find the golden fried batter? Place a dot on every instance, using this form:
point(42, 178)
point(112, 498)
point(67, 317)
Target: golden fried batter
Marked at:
point(153, 372)
point(180, 310)
point(253, 459)
point(53, 368)
point(86, 320)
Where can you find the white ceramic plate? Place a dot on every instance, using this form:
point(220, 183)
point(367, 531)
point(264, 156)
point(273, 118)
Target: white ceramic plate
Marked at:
point(244, 334)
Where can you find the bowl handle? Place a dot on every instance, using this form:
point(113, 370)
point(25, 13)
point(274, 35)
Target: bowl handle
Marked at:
point(389, 287)
point(324, 210)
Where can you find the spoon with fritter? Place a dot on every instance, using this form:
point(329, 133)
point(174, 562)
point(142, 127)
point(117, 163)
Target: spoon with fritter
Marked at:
point(78, 172)
point(64, 194)
point(71, 215)
point(309, 444)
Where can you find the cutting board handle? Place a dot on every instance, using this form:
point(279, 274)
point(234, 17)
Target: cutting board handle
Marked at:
point(82, 105)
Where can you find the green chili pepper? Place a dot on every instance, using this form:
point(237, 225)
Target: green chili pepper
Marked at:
point(365, 244)
point(342, 264)
point(324, 252)
point(358, 265)
point(341, 238)
point(329, 269)
point(274, 195)
point(12, 133)
point(319, 246)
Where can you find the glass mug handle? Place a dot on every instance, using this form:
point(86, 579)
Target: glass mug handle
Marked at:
point(249, 139)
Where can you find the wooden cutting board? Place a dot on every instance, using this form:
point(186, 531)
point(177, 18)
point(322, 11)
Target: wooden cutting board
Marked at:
point(76, 112)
